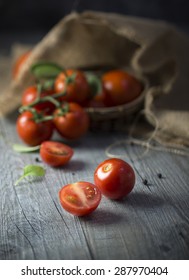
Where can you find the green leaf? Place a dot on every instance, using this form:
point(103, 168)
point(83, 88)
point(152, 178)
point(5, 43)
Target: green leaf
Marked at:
point(95, 84)
point(31, 170)
point(46, 70)
point(24, 149)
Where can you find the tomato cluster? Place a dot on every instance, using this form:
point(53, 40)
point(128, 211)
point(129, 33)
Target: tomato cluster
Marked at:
point(58, 98)
point(45, 110)
point(57, 102)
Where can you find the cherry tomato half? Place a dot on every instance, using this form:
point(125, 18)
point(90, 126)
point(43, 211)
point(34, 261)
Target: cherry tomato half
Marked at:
point(80, 198)
point(77, 91)
point(120, 87)
point(73, 124)
point(115, 178)
point(33, 133)
point(30, 95)
point(19, 63)
point(55, 153)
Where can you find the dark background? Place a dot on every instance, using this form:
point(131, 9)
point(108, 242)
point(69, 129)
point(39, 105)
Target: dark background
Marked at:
point(43, 14)
point(38, 16)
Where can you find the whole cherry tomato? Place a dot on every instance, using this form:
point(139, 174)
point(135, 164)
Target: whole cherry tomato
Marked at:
point(120, 87)
point(19, 63)
point(71, 124)
point(30, 95)
point(77, 90)
point(80, 198)
point(115, 178)
point(33, 133)
point(55, 153)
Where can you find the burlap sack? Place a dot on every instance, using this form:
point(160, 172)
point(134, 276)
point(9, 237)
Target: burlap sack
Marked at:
point(153, 49)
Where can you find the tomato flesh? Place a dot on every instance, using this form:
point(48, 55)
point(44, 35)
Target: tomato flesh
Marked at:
point(80, 198)
point(55, 153)
point(115, 178)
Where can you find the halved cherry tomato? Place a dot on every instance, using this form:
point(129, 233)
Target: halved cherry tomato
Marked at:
point(80, 198)
point(73, 124)
point(33, 133)
point(19, 63)
point(30, 95)
point(120, 87)
point(55, 153)
point(115, 178)
point(76, 91)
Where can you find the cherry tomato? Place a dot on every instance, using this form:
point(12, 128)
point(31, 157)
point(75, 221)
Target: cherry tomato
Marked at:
point(55, 153)
point(120, 87)
point(77, 91)
point(19, 63)
point(74, 123)
point(80, 198)
point(33, 133)
point(30, 95)
point(115, 178)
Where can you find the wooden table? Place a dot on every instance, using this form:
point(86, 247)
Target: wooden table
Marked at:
point(151, 223)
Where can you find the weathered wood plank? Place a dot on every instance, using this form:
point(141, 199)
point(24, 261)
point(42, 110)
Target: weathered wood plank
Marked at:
point(151, 223)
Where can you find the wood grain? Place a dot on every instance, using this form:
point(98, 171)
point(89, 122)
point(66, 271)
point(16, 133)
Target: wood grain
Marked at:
point(151, 223)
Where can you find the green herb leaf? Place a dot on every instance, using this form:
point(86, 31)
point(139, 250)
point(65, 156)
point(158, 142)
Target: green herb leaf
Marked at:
point(31, 170)
point(24, 149)
point(95, 84)
point(45, 70)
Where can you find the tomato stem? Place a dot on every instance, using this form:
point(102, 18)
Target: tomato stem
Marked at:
point(63, 110)
point(43, 85)
point(70, 79)
point(44, 119)
point(38, 100)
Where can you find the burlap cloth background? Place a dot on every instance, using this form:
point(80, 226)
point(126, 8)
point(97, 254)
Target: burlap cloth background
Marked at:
point(153, 49)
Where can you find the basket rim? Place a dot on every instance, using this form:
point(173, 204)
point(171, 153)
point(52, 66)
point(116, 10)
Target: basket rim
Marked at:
point(119, 108)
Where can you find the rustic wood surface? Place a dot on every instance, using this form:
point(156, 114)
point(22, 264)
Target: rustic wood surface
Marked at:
point(151, 223)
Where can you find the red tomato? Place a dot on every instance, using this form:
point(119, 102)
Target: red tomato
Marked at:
point(80, 198)
point(30, 95)
point(19, 63)
point(55, 153)
point(120, 87)
point(77, 91)
point(115, 178)
point(33, 133)
point(74, 123)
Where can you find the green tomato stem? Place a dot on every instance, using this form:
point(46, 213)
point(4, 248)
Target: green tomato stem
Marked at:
point(44, 119)
point(43, 99)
